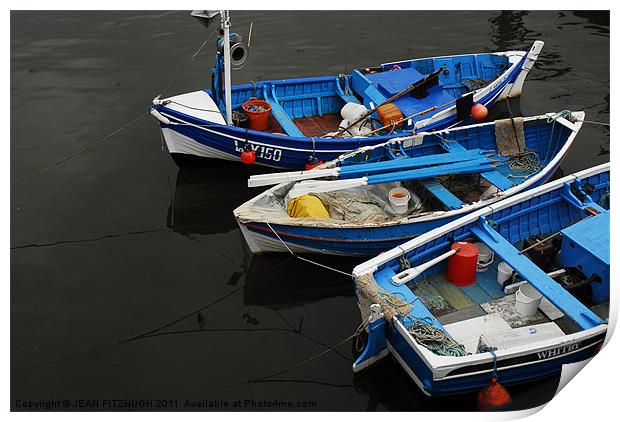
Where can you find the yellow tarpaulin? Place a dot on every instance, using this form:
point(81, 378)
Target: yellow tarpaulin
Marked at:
point(307, 206)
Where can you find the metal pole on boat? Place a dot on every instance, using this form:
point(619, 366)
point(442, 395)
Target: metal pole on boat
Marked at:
point(225, 16)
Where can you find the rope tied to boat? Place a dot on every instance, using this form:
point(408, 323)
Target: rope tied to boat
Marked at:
point(484, 349)
point(81, 151)
point(301, 258)
point(425, 333)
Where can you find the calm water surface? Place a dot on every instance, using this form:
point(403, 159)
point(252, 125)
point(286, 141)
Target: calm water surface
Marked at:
point(119, 242)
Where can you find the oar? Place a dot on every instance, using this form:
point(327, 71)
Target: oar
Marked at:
point(392, 98)
point(316, 186)
point(411, 273)
point(363, 169)
point(407, 163)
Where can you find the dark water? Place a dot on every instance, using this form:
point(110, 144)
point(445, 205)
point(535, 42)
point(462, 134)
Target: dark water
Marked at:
point(124, 243)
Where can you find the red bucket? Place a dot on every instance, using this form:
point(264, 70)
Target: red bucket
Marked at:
point(259, 120)
point(462, 265)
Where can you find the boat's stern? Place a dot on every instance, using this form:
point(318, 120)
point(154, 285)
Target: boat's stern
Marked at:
point(439, 375)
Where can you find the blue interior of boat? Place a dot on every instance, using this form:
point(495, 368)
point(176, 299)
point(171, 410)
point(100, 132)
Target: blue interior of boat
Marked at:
point(315, 97)
point(542, 137)
point(554, 211)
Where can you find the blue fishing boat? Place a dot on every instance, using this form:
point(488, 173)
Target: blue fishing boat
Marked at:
point(310, 120)
point(452, 334)
point(445, 175)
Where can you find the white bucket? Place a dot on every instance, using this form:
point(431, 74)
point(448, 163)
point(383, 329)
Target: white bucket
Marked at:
point(485, 257)
point(504, 272)
point(399, 200)
point(528, 300)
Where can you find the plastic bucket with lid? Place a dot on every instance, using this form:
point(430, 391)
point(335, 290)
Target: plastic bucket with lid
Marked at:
point(485, 257)
point(528, 300)
point(258, 113)
point(399, 200)
point(504, 272)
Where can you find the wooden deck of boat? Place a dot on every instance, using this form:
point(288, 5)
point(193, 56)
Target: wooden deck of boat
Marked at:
point(318, 125)
point(310, 126)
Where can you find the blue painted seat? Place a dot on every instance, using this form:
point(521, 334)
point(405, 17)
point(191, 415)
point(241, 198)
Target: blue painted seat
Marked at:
point(409, 105)
point(499, 180)
point(443, 194)
point(392, 82)
point(278, 112)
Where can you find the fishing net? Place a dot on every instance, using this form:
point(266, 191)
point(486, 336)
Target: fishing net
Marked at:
point(526, 162)
point(434, 339)
point(475, 83)
point(368, 292)
point(429, 336)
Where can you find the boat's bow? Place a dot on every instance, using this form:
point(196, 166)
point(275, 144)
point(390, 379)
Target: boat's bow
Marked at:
point(183, 116)
point(196, 105)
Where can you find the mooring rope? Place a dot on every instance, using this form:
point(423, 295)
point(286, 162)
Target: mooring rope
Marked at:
point(306, 259)
point(305, 361)
point(75, 154)
point(115, 132)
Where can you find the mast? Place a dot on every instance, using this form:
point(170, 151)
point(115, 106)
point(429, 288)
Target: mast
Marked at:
point(225, 19)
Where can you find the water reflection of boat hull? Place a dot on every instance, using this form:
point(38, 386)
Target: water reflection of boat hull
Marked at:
point(201, 205)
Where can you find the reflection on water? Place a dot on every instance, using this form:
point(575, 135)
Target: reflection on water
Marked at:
point(205, 196)
point(510, 32)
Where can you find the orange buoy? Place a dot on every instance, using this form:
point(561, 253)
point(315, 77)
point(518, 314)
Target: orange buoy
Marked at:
point(248, 156)
point(313, 162)
point(462, 265)
point(479, 112)
point(493, 397)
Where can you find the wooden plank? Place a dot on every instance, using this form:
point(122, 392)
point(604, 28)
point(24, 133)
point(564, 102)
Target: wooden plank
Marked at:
point(284, 120)
point(476, 294)
point(488, 282)
point(471, 166)
point(444, 195)
point(432, 299)
point(462, 315)
point(453, 294)
point(468, 332)
point(356, 170)
point(497, 179)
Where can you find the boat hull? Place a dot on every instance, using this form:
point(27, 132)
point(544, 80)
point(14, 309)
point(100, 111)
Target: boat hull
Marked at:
point(514, 369)
point(550, 208)
point(188, 132)
point(355, 241)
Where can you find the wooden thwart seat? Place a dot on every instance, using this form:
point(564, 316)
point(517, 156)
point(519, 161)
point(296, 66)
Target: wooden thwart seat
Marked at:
point(443, 194)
